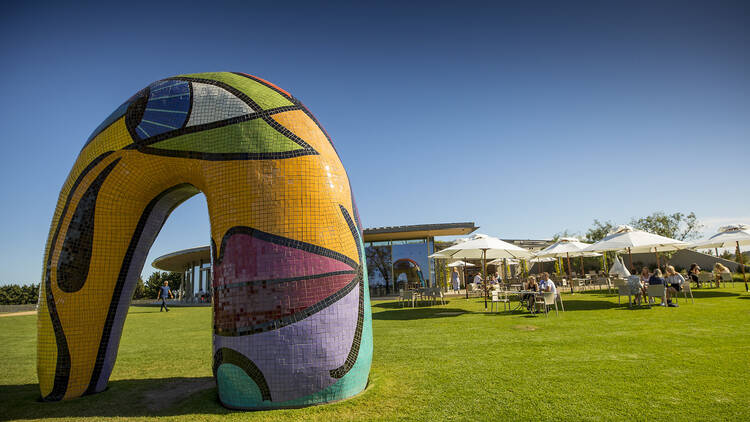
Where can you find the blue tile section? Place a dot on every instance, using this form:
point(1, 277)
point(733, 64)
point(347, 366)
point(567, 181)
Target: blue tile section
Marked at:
point(167, 108)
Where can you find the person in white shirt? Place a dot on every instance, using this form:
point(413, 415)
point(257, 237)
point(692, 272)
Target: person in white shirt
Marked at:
point(547, 285)
point(478, 281)
point(675, 281)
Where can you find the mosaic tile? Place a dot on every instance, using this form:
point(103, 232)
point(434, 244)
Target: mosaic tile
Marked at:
point(292, 323)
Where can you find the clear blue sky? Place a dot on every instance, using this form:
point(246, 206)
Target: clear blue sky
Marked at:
point(526, 119)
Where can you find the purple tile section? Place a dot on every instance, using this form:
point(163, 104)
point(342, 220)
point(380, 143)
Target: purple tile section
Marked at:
point(153, 225)
point(297, 359)
point(258, 281)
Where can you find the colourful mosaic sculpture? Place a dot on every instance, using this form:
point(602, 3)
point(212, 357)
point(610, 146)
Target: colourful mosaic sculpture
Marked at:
point(292, 323)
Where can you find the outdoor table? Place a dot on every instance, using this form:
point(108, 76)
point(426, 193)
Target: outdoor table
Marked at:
point(521, 294)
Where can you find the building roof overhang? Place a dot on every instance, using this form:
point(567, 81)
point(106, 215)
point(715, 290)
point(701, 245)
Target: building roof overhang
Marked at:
point(180, 260)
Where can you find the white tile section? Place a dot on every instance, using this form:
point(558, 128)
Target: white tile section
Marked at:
point(212, 103)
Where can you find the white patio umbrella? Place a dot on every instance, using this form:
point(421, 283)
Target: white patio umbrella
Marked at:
point(566, 247)
point(626, 238)
point(461, 264)
point(504, 262)
point(482, 247)
point(735, 236)
point(618, 268)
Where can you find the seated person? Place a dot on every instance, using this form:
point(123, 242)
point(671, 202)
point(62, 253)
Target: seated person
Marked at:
point(645, 276)
point(718, 269)
point(530, 285)
point(674, 281)
point(636, 288)
point(693, 274)
point(656, 279)
point(547, 285)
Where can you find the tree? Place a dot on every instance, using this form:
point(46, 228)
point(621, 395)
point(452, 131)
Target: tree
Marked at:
point(599, 231)
point(157, 279)
point(139, 291)
point(564, 233)
point(379, 258)
point(677, 226)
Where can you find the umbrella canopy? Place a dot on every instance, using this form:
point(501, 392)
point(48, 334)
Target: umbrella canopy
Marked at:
point(618, 268)
point(461, 264)
point(727, 237)
point(626, 238)
point(499, 261)
point(565, 246)
point(482, 246)
point(539, 259)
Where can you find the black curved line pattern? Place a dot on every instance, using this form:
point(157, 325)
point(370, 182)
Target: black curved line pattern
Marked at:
point(226, 355)
point(283, 241)
point(224, 156)
point(357, 341)
point(135, 112)
point(282, 280)
point(213, 125)
point(190, 190)
point(62, 367)
point(75, 256)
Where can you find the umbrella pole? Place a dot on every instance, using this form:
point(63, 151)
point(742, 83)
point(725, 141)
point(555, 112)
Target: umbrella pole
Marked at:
point(466, 285)
point(567, 254)
point(742, 264)
point(582, 271)
point(717, 252)
point(484, 277)
point(630, 258)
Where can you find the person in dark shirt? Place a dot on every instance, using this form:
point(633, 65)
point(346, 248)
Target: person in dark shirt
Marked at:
point(164, 294)
point(656, 278)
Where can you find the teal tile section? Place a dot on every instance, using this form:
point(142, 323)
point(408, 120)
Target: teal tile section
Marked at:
point(236, 389)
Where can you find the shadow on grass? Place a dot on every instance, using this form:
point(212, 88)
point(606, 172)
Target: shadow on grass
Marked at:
point(409, 313)
point(124, 398)
point(419, 305)
point(700, 293)
point(589, 305)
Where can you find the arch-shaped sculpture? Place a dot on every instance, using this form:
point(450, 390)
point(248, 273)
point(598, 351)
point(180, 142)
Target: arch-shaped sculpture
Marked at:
point(292, 323)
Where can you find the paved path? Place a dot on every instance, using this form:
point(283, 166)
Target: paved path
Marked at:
point(18, 313)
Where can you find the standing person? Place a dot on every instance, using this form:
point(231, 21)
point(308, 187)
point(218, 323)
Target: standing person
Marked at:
point(455, 281)
point(164, 294)
point(718, 270)
point(674, 282)
point(693, 274)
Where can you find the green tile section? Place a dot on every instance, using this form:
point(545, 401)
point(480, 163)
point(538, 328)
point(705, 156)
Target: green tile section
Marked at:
point(264, 96)
point(252, 136)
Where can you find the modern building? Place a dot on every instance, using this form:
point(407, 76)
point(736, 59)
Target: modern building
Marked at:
point(385, 246)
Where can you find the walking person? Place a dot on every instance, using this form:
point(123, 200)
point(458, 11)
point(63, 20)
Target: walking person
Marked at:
point(164, 294)
point(455, 280)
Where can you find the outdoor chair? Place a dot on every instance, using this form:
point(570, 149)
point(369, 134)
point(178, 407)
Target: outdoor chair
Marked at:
point(545, 300)
point(436, 294)
point(577, 282)
point(497, 298)
point(408, 296)
point(559, 298)
point(705, 278)
point(657, 290)
point(685, 291)
point(623, 290)
point(726, 277)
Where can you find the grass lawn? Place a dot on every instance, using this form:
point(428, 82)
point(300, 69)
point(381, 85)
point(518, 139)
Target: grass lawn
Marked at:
point(596, 361)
